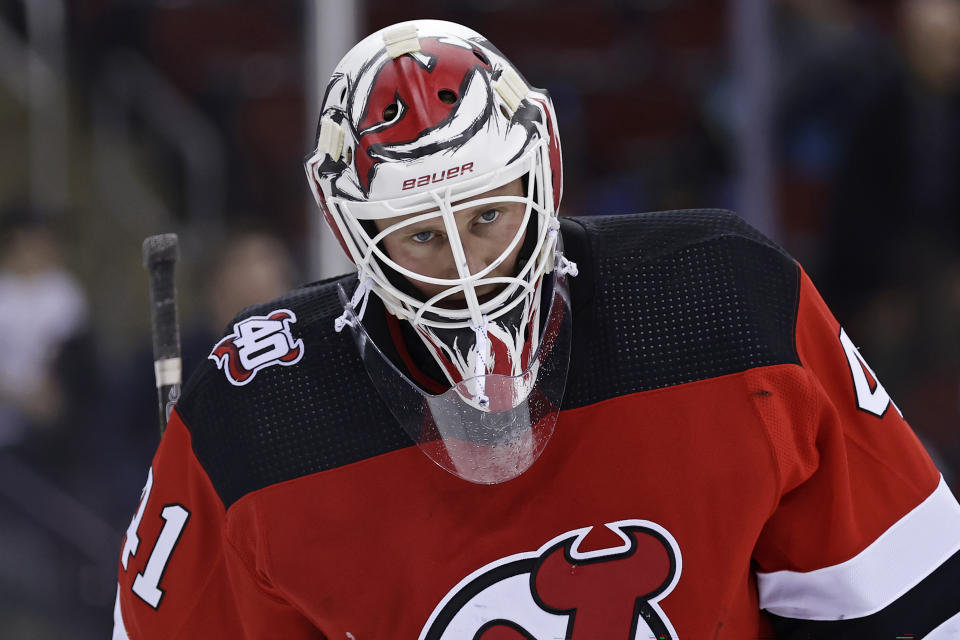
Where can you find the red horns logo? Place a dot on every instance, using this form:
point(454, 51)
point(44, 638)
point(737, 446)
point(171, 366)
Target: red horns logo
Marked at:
point(561, 592)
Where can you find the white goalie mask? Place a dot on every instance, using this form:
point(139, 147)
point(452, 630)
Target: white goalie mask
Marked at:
point(423, 124)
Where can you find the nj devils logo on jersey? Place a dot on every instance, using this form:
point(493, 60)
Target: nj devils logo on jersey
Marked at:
point(257, 342)
point(559, 592)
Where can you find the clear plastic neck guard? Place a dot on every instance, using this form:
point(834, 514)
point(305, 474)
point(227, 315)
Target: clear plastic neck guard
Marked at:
point(484, 443)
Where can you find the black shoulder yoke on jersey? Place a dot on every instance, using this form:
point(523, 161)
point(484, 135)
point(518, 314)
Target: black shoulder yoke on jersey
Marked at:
point(661, 299)
point(678, 296)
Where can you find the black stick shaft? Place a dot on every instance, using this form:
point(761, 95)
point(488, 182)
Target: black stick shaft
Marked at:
point(160, 255)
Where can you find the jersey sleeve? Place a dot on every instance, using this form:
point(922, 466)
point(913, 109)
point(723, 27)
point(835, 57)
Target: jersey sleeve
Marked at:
point(179, 576)
point(863, 541)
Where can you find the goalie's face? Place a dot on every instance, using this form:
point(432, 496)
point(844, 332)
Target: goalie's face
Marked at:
point(484, 232)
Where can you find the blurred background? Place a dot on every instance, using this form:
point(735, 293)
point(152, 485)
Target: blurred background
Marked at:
point(832, 125)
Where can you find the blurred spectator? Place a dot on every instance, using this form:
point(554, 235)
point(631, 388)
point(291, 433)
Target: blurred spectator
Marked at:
point(48, 387)
point(830, 59)
point(896, 217)
point(43, 318)
point(253, 267)
point(894, 235)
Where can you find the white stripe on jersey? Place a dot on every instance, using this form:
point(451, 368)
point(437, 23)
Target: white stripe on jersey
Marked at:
point(949, 630)
point(119, 631)
point(898, 560)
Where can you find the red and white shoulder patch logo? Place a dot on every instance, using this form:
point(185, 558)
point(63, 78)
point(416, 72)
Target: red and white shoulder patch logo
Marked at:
point(258, 342)
point(560, 591)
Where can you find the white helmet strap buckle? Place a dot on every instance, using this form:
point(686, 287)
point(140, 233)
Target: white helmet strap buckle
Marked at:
point(401, 39)
point(511, 88)
point(330, 140)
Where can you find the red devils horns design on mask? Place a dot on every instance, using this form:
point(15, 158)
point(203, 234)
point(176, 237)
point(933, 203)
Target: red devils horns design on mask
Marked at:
point(413, 95)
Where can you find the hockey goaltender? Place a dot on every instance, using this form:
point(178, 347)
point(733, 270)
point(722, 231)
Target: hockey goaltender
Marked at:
point(510, 425)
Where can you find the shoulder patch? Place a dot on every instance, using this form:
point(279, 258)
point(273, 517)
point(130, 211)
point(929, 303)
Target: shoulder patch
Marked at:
point(257, 342)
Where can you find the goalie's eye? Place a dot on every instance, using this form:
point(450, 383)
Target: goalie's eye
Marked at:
point(423, 237)
point(488, 216)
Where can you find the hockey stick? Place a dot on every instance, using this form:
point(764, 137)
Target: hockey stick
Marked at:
point(160, 255)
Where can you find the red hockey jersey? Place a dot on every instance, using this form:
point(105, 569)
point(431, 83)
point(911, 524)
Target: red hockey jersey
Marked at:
point(725, 466)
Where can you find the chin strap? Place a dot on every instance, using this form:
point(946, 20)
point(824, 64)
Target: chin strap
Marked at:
point(567, 267)
point(480, 368)
point(350, 316)
point(564, 267)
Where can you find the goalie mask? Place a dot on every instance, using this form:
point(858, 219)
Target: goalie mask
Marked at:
point(438, 169)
